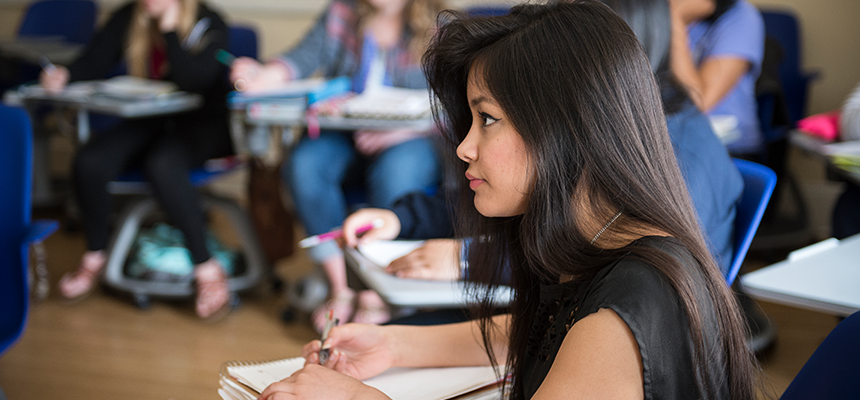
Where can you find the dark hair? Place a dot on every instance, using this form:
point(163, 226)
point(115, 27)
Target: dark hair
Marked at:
point(651, 22)
point(721, 7)
point(574, 82)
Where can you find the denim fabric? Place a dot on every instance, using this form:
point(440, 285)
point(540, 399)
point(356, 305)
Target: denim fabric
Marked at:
point(318, 168)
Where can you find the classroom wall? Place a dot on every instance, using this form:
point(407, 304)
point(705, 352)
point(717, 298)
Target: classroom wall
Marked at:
point(831, 33)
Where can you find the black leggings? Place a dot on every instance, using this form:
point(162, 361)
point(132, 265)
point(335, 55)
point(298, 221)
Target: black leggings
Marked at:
point(166, 149)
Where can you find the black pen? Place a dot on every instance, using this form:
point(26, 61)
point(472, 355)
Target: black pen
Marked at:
point(325, 350)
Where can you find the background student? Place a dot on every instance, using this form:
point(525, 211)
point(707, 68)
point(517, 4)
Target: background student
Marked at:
point(713, 182)
point(171, 40)
point(571, 180)
point(376, 42)
point(846, 213)
point(717, 51)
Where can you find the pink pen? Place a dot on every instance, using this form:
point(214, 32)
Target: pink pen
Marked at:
point(317, 239)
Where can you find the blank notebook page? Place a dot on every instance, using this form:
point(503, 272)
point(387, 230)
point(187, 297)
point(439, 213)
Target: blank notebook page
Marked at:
point(396, 383)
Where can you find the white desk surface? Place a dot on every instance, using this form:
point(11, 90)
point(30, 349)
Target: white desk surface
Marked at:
point(827, 281)
point(412, 292)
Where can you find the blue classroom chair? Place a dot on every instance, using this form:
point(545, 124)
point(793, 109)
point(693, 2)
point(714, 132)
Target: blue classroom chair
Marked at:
point(17, 231)
point(74, 20)
point(831, 372)
point(759, 182)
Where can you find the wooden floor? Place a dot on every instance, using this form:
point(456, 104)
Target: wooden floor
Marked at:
point(105, 348)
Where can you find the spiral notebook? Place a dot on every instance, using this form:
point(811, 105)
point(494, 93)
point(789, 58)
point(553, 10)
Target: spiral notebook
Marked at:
point(244, 381)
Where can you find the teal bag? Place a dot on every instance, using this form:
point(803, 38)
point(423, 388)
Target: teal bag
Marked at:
point(159, 253)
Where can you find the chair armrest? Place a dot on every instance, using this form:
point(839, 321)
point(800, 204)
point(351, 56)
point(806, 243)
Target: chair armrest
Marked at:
point(40, 229)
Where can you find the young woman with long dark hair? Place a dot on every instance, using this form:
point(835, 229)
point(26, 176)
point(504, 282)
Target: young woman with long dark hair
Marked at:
point(571, 180)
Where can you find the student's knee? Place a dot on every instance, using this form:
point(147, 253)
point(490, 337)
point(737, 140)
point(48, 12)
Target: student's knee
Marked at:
point(89, 167)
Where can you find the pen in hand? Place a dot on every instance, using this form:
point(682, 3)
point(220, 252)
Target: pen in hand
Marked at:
point(47, 66)
point(317, 239)
point(324, 349)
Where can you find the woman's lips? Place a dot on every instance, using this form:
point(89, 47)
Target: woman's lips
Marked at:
point(474, 182)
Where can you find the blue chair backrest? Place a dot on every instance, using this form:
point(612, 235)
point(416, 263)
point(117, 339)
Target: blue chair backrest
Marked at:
point(74, 20)
point(783, 26)
point(16, 159)
point(242, 41)
point(759, 182)
point(833, 369)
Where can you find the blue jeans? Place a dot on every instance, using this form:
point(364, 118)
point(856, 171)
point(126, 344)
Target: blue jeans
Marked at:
point(318, 168)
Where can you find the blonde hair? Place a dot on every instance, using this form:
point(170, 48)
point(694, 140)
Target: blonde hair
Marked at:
point(419, 18)
point(144, 32)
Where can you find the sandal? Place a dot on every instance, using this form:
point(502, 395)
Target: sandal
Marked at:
point(213, 292)
point(371, 309)
point(76, 286)
point(342, 307)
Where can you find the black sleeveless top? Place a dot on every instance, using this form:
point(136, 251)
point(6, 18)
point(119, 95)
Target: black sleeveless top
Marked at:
point(643, 297)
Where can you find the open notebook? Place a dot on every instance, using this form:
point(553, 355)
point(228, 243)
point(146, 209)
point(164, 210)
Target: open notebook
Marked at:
point(244, 381)
point(368, 263)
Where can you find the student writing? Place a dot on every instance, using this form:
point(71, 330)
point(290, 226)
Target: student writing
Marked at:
point(569, 177)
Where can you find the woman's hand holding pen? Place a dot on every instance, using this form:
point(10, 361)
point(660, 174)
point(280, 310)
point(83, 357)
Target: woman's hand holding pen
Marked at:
point(359, 351)
point(247, 74)
point(54, 78)
point(389, 229)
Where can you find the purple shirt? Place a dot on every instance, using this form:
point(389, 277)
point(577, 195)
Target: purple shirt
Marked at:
point(739, 32)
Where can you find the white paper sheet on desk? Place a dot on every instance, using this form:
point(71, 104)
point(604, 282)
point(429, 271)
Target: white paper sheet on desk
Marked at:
point(383, 252)
point(396, 383)
point(73, 91)
point(299, 87)
point(130, 87)
point(389, 103)
point(850, 148)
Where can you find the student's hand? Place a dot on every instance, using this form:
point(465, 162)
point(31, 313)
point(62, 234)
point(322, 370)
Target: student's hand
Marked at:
point(247, 74)
point(317, 382)
point(360, 351)
point(437, 259)
point(389, 230)
point(169, 18)
point(370, 143)
point(55, 80)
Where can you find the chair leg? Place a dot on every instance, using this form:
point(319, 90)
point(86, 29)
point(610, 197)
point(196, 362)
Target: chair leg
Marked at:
point(256, 264)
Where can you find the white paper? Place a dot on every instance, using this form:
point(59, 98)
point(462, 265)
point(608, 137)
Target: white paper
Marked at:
point(389, 103)
point(396, 383)
point(383, 252)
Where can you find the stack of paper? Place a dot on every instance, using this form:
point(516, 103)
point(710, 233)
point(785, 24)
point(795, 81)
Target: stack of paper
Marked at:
point(134, 88)
point(241, 381)
point(389, 103)
point(845, 155)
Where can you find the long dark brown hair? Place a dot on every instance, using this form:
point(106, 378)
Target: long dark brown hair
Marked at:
point(573, 80)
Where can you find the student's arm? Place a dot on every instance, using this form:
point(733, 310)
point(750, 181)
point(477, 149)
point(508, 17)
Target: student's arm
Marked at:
point(195, 69)
point(736, 45)
point(301, 61)
point(361, 351)
point(105, 50)
point(708, 83)
point(599, 359)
